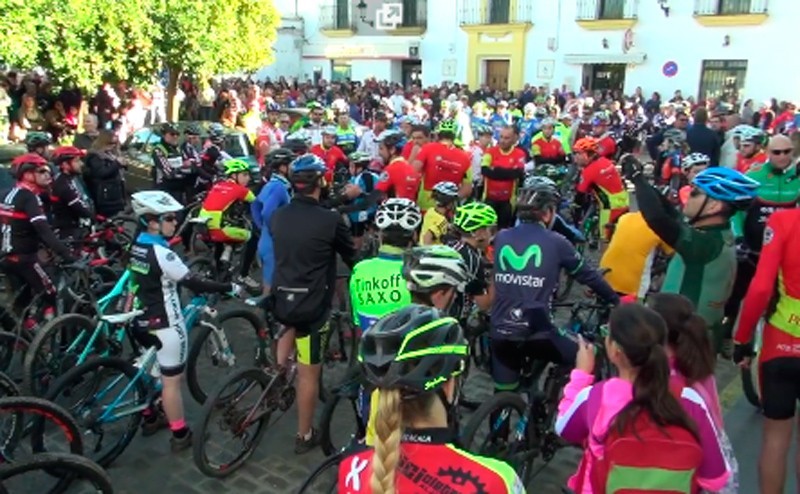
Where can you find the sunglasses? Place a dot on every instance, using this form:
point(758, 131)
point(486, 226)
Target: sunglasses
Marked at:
point(44, 172)
point(778, 152)
point(169, 218)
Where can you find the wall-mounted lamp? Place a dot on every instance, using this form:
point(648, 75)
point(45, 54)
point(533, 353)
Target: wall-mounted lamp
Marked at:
point(726, 41)
point(664, 7)
point(605, 43)
point(362, 13)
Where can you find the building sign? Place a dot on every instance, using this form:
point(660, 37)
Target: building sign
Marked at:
point(670, 69)
point(389, 16)
point(351, 51)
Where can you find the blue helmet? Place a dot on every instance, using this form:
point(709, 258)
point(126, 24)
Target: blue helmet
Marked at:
point(306, 169)
point(393, 138)
point(727, 185)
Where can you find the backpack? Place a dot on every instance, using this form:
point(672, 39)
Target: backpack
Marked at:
point(645, 458)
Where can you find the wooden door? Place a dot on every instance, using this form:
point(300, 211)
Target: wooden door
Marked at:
point(497, 74)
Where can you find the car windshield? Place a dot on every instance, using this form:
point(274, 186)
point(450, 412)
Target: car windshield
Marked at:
point(236, 146)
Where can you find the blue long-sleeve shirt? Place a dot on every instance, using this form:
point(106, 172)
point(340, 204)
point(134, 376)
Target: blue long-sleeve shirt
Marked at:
point(272, 196)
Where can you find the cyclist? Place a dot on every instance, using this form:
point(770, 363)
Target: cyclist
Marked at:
point(275, 193)
point(442, 161)
point(415, 358)
point(38, 143)
point(365, 182)
point(435, 274)
point(224, 208)
point(304, 282)
point(212, 155)
point(72, 210)
point(528, 261)
point(24, 226)
point(691, 165)
point(546, 147)
point(190, 152)
point(399, 178)
point(502, 168)
point(704, 268)
point(436, 223)
point(751, 149)
point(673, 149)
point(600, 177)
point(297, 142)
point(606, 145)
point(169, 167)
point(327, 150)
point(156, 272)
point(559, 225)
point(774, 294)
point(475, 223)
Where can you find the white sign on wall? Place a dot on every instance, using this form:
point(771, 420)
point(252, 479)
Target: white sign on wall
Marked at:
point(389, 16)
point(545, 68)
point(449, 68)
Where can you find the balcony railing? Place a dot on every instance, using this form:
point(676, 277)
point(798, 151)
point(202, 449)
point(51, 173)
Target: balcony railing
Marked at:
point(415, 13)
point(730, 7)
point(336, 16)
point(495, 12)
point(591, 10)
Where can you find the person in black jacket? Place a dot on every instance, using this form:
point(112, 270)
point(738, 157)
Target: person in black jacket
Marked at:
point(655, 141)
point(71, 208)
point(702, 139)
point(104, 175)
point(306, 239)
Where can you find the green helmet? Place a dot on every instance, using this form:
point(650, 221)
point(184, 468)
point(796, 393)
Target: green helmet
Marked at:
point(236, 166)
point(447, 125)
point(473, 216)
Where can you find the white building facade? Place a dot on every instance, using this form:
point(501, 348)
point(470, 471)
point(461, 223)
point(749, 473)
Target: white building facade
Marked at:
point(705, 48)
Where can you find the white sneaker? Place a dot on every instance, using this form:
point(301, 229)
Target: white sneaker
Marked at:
point(248, 282)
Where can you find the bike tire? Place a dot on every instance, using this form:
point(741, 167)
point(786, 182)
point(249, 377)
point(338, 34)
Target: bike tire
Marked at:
point(345, 394)
point(199, 387)
point(69, 465)
point(215, 402)
point(13, 348)
point(749, 386)
point(42, 411)
point(498, 402)
point(338, 356)
point(86, 371)
point(322, 471)
point(40, 368)
point(7, 385)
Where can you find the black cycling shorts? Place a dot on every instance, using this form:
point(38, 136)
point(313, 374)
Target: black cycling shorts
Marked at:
point(505, 213)
point(780, 387)
point(509, 357)
point(311, 340)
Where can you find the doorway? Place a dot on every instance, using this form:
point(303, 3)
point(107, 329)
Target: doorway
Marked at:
point(412, 73)
point(497, 74)
point(604, 76)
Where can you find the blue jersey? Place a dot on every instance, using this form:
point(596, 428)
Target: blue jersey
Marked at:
point(366, 181)
point(527, 129)
point(498, 121)
point(528, 262)
point(273, 195)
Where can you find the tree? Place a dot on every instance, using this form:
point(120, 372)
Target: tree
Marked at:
point(18, 23)
point(212, 37)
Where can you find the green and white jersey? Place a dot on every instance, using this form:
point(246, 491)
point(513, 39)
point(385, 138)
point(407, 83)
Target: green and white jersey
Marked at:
point(377, 287)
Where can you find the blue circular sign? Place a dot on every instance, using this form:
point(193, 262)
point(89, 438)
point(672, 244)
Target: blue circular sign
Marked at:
point(670, 69)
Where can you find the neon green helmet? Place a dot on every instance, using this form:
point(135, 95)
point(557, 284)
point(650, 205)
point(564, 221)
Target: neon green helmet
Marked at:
point(236, 166)
point(473, 216)
point(447, 125)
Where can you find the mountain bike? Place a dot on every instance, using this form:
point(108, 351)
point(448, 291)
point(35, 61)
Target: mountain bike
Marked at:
point(83, 475)
point(531, 435)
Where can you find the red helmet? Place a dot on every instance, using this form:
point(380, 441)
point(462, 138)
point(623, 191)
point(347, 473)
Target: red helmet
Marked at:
point(586, 145)
point(65, 153)
point(27, 162)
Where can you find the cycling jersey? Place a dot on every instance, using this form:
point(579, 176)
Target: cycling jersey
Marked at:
point(528, 127)
point(564, 135)
point(602, 178)
point(478, 269)
point(168, 167)
point(777, 275)
point(275, 194)
point(501, 171)
point(429, 462)
point(399, 179)
point(332, 157)
point(528, 262)
point(217, 204)
point(366, 181)
point(377, 287)
point(434, 223)
point(441, 163)
point(630, 255)
point(780, 189)
point(346, 139)
point(745, 164)
point(546, 150)
point(70, 203)
point(607, 146)
point(24, 225)
point(208, 169)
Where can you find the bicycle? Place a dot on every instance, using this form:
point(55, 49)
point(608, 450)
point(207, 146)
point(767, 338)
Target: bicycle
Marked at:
point(533, 435)
point(326, 474)
point(67, 466)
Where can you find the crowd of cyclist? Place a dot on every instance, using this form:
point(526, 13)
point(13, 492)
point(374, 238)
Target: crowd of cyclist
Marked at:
point(468, 227)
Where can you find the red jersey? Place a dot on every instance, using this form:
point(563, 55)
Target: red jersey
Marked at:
point(547, 149)
point(743, 164)
point(331, 156)
point(399, 179)
point(602, 178)
point(778, 271)
point(443, 163)
point(494, 157)
point(406, 152)
point(607, 147)
point(223, 194)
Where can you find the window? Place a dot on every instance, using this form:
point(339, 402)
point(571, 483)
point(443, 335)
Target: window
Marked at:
point(733, 7)
point(611, 9)
point(340, 70)
point(410, 14)
point(499, 11)
point(342, 19)
point(722, 79)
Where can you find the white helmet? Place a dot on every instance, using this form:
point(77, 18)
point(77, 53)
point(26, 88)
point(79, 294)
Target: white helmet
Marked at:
point(398, 212)
point(156, 202)
point(694, 159)
point(433, 266)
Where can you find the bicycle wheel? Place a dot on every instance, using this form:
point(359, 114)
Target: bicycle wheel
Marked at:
point(57, 348)
point(339, 350)
point(7, 385)
point(13, 348)
point(492, 432)
point(324, 479)
point(49, 427)
point(565, 281)
point(202, 267)
point(341, 424)
point(89, 391)
point(210, 357)
point(34, 475)
point(750, 376)
point(241, 408)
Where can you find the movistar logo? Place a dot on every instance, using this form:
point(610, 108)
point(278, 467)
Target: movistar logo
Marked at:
point(509, 257)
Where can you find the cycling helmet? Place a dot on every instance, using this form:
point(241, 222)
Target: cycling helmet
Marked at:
point(216, 132)
point(533, 180)
point(65, 153)
point(538, 197)
point(727, 185)
point(273, 107)
point(279, 157)
point(235, 165)
point(192, 129)
point(314, 105)
point(540, 112)
point(677, 136)
point(695, 159)
point(37, 140)
point(415, 349)
point(481, 129)
point(360, 160)
point(155, 202)
point(297, 146)
point(428, 268)
point(548, 121)
point(445, 193)
point(446, 126)
point(754, 135)
point(398, 212)
point(306, 169)
point(393, 139)
point(473, 216)
point(741, 129)
point(167, 128)
point(300, 135)
point(586, 145)
point(329, 130)
point(339, 106)
point(600, 118)
point(26, 163)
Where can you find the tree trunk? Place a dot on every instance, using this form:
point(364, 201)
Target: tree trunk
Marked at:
point(172, 91)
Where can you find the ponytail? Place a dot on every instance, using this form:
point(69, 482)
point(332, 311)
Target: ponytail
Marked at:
point(388, 431)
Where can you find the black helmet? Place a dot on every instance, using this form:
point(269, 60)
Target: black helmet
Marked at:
point(538, 197)
point(360, 160)
point(393, 139)
point(192, 130)
point(279, 157)
point(415, 349)
point(167, 128)
point(37, 140)
point(296, 146)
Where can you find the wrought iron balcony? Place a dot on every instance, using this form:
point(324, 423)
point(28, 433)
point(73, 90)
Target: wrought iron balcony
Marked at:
point(336, 15)
point(475, 12)
point(730, 7)
point(595, 10)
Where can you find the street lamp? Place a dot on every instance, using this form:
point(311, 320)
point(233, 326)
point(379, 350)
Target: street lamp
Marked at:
point(362, 11)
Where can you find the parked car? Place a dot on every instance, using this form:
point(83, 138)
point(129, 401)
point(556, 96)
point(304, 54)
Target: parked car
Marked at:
point(138, 152)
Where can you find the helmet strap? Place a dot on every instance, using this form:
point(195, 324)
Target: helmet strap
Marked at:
point(700, 216)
